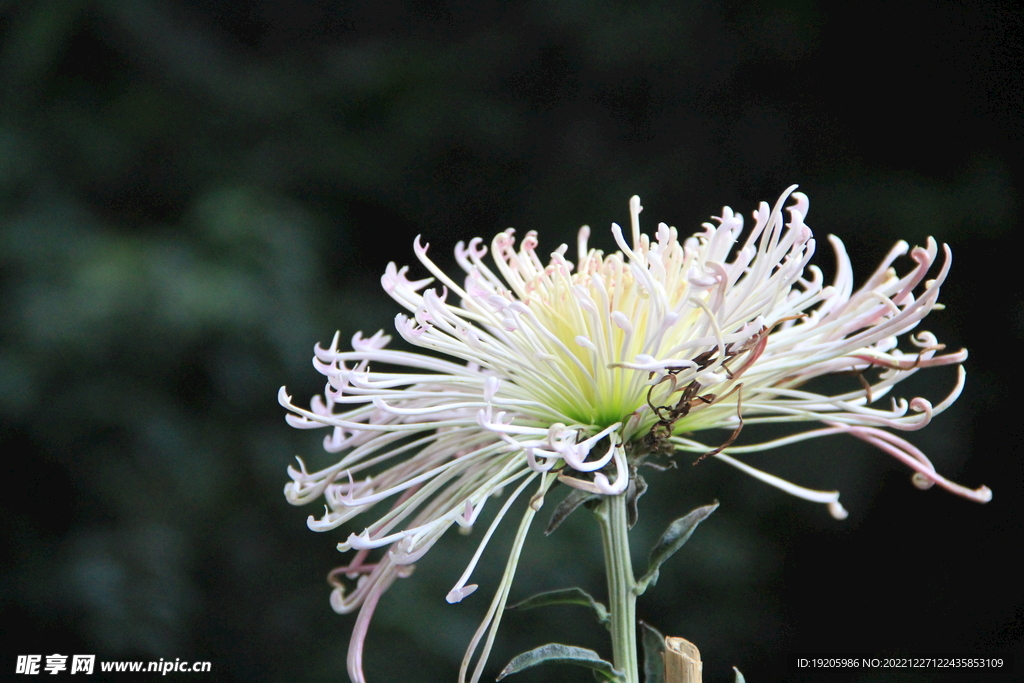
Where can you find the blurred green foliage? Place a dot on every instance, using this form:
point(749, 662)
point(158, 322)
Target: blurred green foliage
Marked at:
point(193, 193)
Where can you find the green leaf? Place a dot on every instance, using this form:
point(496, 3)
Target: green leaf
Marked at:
point(677, 533)
point(654, 649)
point(556, 653)
point(566, 596)
point(739, 676)
point(568, 505)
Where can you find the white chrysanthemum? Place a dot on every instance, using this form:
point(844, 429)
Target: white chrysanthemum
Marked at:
point(573, 372)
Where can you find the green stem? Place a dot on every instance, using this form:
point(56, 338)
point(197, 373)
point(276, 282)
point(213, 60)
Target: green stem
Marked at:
point(614, 522)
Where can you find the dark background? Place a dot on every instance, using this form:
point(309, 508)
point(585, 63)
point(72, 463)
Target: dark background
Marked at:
point(193, 193)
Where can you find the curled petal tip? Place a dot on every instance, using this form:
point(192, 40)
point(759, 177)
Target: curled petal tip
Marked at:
point(337, 601)
point(836, 509)
point(922, 482)
point(457, 594)
point(301, 422)
point(983, 494)
point(360, 541)
point(312, 521)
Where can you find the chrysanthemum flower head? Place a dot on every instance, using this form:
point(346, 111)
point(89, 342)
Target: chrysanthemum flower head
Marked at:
point(543, 371)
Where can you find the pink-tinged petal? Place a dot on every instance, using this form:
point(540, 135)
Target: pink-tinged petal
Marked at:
point(362, 625)
point(903, 451)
